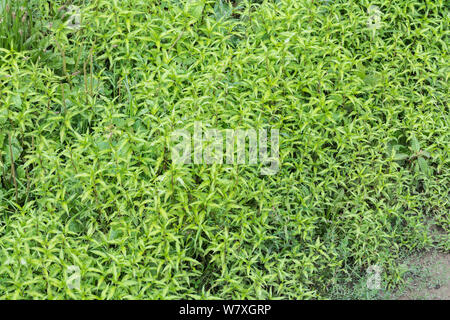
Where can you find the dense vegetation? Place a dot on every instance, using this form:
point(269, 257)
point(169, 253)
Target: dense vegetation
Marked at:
point(358, 90)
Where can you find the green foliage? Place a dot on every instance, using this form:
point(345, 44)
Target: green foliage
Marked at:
point(17, 25)
point(86, 176)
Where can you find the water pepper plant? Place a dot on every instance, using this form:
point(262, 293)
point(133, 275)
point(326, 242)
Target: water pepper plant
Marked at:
point(92, 207)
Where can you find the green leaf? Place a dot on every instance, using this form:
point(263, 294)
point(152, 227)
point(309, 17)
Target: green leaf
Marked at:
point(222, 9)
point(15, 148)
point(114, 234)
point(17, 100)
point(400, 156)
point(415, 145)
point(423, 165)
point(75, 226)
point(3, 116)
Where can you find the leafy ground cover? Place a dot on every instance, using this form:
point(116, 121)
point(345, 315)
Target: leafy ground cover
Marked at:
point(358, 90)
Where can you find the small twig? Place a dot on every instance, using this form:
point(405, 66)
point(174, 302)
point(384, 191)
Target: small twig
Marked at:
point(63, 54)
point(73, 163)
point(63, 97)
point(78, 58)
point(176, 40)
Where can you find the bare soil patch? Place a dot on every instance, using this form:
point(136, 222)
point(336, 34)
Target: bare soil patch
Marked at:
point(428, 278)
